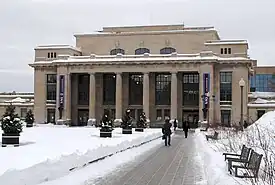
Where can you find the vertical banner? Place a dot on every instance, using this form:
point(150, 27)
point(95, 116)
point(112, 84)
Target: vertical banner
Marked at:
point(61, 90)
point(206, 88)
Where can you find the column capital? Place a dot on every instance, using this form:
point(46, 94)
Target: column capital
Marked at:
point(174, 72)
point(146, 73)
point(118, 73)
point(92, 73)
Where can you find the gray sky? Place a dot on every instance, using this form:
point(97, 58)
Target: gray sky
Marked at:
point(28, 23)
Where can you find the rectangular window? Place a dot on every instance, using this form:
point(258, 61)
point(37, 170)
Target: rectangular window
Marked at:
point(83, 89)
point(190, 89)
point(109, 89)
point(221, 50)
point(163, 89)
point(49, 55)
point(225, 50)
point(135, 89)
point(225, 87)
point(226, 117)
point(54, 54)
point(229, 50)
point(51, 87)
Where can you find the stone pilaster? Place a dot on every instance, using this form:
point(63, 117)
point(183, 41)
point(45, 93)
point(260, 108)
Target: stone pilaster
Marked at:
point(174, 96)
point(146, 94)
point(92, 99)
point(118, 97)
point(67, 102)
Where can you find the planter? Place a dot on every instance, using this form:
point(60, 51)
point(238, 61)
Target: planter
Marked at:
point(29, 125)
point(126, 130)
point(139, 129)
point(10, 139)
point(106, 132)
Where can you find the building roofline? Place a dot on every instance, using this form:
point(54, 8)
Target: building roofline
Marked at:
point(186, 30)
point(56, 46)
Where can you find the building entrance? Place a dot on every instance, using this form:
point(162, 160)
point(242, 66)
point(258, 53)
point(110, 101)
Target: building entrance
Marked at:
point(192, 116)
point(83, 116)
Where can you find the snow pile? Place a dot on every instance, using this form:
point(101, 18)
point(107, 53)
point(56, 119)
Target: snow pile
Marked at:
point(47, 153)
point(260, 136)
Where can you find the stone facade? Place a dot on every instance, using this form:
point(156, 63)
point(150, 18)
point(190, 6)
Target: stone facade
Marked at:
point(198, 50)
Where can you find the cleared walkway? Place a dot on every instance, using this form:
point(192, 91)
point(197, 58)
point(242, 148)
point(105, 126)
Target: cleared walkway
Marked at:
point(178, 164)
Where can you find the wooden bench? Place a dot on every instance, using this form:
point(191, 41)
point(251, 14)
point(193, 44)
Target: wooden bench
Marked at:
point(251, 167)
point(243, 157)
point(215, 136)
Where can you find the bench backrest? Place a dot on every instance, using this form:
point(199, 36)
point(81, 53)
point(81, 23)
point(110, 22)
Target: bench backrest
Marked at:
point(245, 152)
point(254, 162)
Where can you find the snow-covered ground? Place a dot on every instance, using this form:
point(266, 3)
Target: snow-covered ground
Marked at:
point(48, 152)
point(260, 136)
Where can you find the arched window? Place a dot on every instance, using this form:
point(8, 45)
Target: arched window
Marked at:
point(116, 51)
point(141, 51)
point(167, 50)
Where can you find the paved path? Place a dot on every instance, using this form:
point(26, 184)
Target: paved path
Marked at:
point(178, 164)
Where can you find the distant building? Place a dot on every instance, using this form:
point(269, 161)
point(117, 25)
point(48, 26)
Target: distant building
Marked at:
point(163, 70)
point(263, 80)
point(22, 102)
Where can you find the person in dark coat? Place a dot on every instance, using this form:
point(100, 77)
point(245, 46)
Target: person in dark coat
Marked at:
point(185, 127)
point(166, 130)
point(175, 124)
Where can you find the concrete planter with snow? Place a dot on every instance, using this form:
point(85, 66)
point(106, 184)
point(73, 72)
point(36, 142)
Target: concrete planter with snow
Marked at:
point(106, 132)
point(139, 129)
point(127, 130)
point(10, 139)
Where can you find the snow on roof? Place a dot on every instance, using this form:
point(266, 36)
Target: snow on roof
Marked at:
point(142, 58)
point(225, 42)
point(57, 46)
point(261, 95)
point(16, 100)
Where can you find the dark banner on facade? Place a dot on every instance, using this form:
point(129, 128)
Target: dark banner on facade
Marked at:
point(61, 90)
point(206, 88)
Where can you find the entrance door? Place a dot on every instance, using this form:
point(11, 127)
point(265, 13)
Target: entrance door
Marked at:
point(192, 116)
point(50, 115)
point(83, 116)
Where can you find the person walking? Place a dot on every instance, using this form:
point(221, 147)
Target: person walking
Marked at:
point(175, 124)
point(166, 130)
point(185, 127)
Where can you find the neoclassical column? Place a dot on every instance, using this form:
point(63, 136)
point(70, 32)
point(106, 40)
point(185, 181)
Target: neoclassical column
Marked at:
point(68, 98)
point(118, 97)
point(146, 91)
point(92, 99)
point(174, 95)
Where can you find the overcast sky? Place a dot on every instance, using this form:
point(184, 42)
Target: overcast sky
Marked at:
point(28, 23)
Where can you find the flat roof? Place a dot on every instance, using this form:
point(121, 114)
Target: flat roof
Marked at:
point(57, 46)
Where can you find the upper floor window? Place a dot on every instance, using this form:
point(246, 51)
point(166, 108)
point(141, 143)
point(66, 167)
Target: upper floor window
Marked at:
point(226, 87)
point(116, 51)
point(141, 51)
point(167, 50)
point(225, 51)
point(52, 55)
point(163, 89)
point(262, 83)
point(51, 87)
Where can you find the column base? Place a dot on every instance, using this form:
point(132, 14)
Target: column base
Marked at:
point(91, 122)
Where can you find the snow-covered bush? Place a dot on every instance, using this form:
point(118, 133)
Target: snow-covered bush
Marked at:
point(11, 123)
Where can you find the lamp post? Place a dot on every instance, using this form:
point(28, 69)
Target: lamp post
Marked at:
point(241, 84)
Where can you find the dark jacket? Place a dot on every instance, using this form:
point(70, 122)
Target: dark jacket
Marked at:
point(166, 129)
point(185, 126)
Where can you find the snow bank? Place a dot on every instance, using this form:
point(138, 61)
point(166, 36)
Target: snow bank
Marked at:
point(52, 157)
point(260, 136)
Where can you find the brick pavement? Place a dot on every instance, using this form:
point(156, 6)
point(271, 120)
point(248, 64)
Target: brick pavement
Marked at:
point(174, 165)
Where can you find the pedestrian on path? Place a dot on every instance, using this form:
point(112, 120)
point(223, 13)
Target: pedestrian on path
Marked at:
point(185, 127)
point(166, 130)
point(175, 124)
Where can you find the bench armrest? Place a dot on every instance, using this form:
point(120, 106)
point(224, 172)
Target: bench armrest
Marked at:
point(231, 154)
